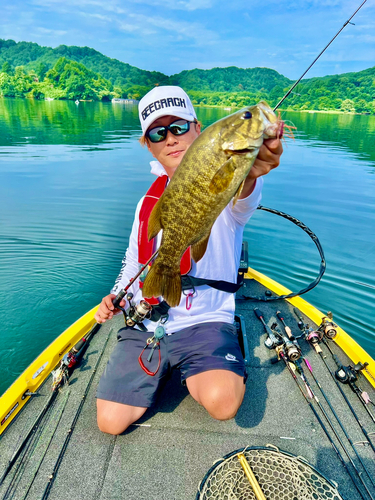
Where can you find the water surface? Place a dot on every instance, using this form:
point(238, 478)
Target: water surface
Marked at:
point(70, 178)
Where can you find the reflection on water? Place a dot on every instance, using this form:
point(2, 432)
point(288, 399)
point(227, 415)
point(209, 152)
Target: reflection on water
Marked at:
point(71, 175)
point(355, 133)
point(26, 121)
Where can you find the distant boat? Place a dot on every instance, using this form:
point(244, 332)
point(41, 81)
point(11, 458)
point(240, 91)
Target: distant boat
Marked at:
point(227, 109)
point(77, 101)
point(124, 101)
point(49, 98)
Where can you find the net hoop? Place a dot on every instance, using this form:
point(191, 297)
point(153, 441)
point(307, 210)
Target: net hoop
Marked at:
point(281, 476)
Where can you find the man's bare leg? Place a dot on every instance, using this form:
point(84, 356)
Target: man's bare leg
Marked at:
point(115, 418)
point(220, 391)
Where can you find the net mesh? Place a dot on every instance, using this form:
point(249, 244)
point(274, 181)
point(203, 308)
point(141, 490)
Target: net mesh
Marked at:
point(281, 477)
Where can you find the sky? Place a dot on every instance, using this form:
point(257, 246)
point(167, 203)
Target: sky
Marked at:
point(172, 36)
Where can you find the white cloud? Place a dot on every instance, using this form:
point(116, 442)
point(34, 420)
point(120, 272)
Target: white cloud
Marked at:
point(46, 31)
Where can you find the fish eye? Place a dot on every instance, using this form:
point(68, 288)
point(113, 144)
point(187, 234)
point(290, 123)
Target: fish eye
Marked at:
point(247, 115)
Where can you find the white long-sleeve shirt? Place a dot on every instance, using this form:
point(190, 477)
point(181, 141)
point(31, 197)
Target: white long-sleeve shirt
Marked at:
point(220, 262)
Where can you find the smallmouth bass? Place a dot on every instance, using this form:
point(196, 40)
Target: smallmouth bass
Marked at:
point(212, 172)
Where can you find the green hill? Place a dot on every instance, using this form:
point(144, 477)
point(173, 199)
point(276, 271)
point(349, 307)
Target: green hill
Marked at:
point(32, 56)
point(348, 92)
point(231, 79)
point(29, 70)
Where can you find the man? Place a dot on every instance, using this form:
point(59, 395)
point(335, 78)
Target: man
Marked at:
point(200, 339)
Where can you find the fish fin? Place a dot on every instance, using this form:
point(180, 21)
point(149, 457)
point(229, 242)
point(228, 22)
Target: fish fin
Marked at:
point(238, 193)
point(223, 177)
point(199, 248)
point(165, 281)
point(154, 222)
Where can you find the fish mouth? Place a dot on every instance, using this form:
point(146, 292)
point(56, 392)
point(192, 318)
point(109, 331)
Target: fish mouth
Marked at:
point(241, 151)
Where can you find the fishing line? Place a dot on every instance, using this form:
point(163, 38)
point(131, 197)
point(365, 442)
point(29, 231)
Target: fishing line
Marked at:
point(315, 239)
point(312, 64)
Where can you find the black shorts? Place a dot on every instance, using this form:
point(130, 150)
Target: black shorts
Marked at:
point(193, 350)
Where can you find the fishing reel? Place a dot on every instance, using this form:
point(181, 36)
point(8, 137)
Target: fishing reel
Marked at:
point(136, 313)
point(349, 374)
point(292, 350)
point(313, 336)
point(273, 340)
point(291, 347)
point(328, 327)
point(346, 375)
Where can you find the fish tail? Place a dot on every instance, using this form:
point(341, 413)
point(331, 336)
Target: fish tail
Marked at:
point(163, 281)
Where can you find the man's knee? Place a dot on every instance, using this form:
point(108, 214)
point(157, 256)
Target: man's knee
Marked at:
point(220, 391)
point(222, 405)
point(115, 418)
point(109, 426)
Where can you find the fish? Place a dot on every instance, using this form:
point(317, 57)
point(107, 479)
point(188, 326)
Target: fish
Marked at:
point(211, 173)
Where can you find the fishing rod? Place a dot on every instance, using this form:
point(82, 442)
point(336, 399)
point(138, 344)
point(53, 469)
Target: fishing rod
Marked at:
point(309, 367)
point(312, 64)
point(281, 353)
point(60, 377)
point(296, 364)
point(73, 424)
point(116, 301)
point(313, 338)
point(300, 371)
point(272, 340)
point(349, 375)
point(290, 339)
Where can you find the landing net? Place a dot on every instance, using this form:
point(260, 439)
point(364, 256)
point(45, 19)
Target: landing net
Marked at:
point(281, 476)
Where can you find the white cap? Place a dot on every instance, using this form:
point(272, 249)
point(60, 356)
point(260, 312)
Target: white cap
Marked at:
point(162, 101)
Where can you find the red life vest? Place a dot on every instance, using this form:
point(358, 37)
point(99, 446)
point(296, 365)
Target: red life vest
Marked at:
point(145, 247)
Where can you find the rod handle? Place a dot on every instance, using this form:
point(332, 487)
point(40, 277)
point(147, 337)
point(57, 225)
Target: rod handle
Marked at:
point(258, 313)
point(79, 344)
point(337, 361)
point(280, 316)
point(116, 301)
point(297, 312)
point(317, 348)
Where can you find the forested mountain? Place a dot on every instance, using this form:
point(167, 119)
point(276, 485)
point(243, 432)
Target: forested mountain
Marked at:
point(29, 70)
point(230, 79)
point(348, 91)
point(32, 56)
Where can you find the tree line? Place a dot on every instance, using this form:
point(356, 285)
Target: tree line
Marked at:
point(83, 73)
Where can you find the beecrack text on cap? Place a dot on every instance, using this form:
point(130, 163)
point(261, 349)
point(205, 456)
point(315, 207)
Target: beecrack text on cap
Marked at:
point(163, 103)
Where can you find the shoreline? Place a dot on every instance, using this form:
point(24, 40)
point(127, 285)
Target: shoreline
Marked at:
point(311, 111)
point(226, 108)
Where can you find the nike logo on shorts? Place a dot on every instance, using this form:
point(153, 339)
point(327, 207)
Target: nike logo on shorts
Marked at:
point(230, 357)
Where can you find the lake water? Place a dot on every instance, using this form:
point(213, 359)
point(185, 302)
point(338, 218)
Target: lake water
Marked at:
point(70, 178)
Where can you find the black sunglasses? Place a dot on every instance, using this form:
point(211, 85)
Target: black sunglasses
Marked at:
point(179, 127)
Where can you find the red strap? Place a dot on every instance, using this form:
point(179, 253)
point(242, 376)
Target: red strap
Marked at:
point(143, 365)
point(146, 247)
